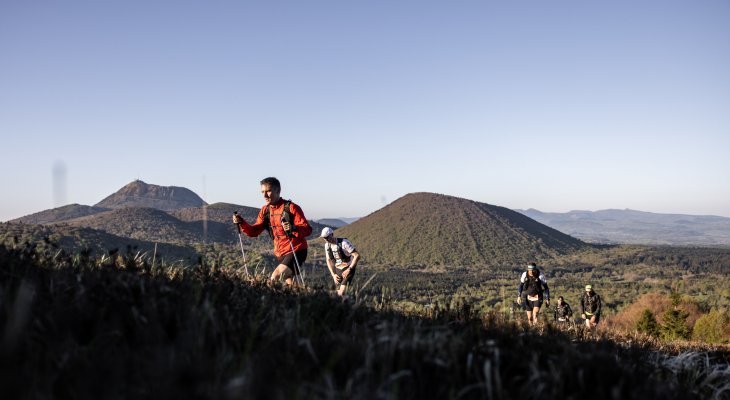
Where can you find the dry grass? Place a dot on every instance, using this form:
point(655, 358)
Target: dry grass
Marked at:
point(81, 328)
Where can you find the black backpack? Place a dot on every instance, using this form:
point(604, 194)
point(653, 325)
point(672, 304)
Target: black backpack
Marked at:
point(590, 302)
point(286, 216)
point(533, 284)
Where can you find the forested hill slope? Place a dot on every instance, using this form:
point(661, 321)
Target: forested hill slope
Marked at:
point(429, 228)
point(59, 214)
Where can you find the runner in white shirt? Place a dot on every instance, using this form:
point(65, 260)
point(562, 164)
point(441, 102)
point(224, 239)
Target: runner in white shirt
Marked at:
point(342, 258)
point(532, 290)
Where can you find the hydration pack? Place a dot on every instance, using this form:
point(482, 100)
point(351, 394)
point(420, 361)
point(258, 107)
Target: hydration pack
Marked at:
point(533, 285)
point(340, 257)
point(591, 302)
point(563, 310)
point(286, 216)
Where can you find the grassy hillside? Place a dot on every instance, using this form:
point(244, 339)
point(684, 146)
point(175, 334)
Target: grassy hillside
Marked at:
point(89, 331)
point(427, 228)
point(142, 224)
point(60, 214)
point(94, 242)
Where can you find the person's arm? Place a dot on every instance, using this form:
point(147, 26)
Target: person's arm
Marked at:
point(301, 228)
point(355, 258)
point(251, 230)
point(547, 289)
point(598, 309)
point(583, 306)
point(349, 248)
point(519, 291)
point(351, 268)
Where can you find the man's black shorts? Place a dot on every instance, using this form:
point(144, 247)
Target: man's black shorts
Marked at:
point(288, 260)
point(598, 317)
point(530, 304)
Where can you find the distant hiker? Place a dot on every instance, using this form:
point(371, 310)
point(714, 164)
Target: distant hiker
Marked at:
point(287, 226)
point(342, 259)
point(590, 307)
point(563, 312)
point(533, 286)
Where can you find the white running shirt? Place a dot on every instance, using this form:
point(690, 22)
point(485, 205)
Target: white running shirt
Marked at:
point(347, 248)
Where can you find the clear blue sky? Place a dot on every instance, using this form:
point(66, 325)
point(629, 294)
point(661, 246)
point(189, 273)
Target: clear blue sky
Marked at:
point(554, 105)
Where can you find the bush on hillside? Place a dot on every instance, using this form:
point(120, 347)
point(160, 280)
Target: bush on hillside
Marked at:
point(674, 322)
point(713, 327)
point(647, 324)
point(659, 303)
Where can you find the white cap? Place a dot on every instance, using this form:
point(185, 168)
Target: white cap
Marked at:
point(327, 231)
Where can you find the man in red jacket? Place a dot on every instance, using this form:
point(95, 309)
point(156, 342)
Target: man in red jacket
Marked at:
point(286, 224)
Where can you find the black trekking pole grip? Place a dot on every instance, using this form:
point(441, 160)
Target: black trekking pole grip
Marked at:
point(235, 214)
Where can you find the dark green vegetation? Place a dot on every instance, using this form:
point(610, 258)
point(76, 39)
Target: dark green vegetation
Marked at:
point(83, 328)
point(621, 275)
point(434, 229)
point(66, 240)
point(637, 227)
point(60, 214)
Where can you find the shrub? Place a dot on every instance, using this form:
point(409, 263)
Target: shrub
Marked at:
point(713, 327)
point(674, 323)
point(647, 324)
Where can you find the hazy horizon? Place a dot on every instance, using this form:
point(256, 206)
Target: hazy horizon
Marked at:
point(361, 216)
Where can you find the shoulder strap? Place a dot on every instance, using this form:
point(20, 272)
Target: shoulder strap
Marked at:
point(267, 221)
point(285, 215)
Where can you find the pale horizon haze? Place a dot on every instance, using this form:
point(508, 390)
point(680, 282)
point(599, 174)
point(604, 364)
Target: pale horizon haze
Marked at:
point(557, 106)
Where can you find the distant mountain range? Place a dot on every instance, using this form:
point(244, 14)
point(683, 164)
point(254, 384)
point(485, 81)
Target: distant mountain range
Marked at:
point(336, 222)
point(417, 229)
point(638, 227)
point(429, 228)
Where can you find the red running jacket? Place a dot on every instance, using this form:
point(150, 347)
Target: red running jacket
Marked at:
point(301, 228)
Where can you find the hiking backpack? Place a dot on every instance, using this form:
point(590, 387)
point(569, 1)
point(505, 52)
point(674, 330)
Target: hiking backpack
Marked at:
point(591, 302)
point(533, 285)
point(341, 256)
point(286, 216)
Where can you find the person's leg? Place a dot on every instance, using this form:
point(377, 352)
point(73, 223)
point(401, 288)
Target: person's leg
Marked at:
point(283, 273)
point(347, 276)
point(287, 268)
point(535, 312)
point(529, 317)
point(286, 274)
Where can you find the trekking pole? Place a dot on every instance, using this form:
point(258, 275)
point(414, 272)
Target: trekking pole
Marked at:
point(240, 240)
point(296, 260)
